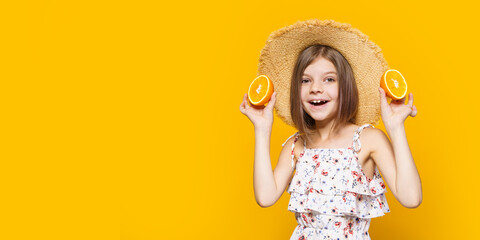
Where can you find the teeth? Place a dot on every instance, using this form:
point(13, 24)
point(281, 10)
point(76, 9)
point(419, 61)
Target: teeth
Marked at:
point(316, 102)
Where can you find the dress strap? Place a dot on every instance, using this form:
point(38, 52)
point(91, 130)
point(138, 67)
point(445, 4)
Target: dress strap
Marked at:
point(357, 146)
point(293, 146)
point(289, 139)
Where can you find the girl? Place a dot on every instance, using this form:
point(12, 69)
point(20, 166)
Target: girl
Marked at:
point(328, 90)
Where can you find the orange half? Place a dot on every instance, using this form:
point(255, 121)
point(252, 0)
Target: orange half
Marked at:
point(260, 90)
point(394, 84)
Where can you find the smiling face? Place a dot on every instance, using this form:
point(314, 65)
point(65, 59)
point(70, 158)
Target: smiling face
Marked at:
point(319, 90)
point(321, 73)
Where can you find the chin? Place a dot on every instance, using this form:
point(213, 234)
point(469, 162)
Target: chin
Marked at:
point(321, 116)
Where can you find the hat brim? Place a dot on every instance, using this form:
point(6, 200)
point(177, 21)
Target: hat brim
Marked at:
point(278, 57)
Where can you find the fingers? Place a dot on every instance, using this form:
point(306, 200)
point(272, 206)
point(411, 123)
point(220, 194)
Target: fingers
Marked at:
point(404, 99)
point(383, 98)
point(244, 103)
point(414, 111)
point(410, 99)
point(272, 101)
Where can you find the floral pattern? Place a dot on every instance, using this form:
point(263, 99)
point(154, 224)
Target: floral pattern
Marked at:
point(331, 196)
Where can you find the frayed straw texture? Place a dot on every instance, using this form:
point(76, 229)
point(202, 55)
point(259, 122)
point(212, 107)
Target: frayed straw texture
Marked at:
point(278, 57)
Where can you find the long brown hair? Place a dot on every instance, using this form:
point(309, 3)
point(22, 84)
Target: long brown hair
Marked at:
point(347, 88)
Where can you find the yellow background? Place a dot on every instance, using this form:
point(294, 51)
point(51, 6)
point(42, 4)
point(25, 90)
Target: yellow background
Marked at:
point(120, 119)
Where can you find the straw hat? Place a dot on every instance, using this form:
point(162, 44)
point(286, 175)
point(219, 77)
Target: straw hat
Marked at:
point(278, 57)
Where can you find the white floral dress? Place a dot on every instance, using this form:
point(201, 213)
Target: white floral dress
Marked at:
point(331, 196)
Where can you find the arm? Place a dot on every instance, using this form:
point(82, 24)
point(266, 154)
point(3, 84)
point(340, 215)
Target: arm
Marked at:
point(264, 184)
point(395, 159)
point(408, 185)
point(268, 185)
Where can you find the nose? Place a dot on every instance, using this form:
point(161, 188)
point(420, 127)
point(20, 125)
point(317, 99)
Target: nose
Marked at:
point(317, 86)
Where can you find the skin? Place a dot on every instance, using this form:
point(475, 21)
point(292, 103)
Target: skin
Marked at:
point(392, 157)
point(319, 81)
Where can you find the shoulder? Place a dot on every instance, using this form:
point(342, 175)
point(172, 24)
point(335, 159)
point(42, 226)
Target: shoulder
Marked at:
point(297, 145)
point(372, 132)
point(290, 140)
point(287, 145)
point(373, 138)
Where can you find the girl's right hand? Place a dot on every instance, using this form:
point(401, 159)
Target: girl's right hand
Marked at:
point(260, 116)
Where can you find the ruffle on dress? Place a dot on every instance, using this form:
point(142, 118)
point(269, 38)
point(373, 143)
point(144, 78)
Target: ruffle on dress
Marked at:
point(332, 182)
point(317, 226)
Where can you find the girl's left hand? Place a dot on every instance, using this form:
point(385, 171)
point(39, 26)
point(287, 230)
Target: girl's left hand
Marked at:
point(395, 113)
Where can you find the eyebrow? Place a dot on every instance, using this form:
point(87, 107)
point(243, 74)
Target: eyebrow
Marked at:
point(324, 73)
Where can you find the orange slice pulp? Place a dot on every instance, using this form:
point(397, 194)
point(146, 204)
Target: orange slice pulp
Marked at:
point(260, 90)
point(394, 84)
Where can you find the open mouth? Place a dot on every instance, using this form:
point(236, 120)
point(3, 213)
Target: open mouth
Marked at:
point(318, 102)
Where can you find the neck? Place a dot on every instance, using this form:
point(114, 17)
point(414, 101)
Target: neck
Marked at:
point(324, 131)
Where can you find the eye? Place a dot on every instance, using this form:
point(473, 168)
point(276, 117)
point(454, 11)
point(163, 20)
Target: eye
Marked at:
point(330, 79)
point(305, 80)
